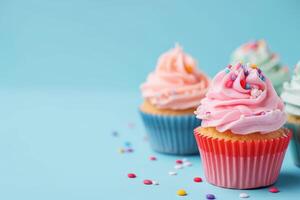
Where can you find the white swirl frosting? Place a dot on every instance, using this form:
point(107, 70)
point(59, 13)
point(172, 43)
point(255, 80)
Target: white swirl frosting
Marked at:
point(291, 93)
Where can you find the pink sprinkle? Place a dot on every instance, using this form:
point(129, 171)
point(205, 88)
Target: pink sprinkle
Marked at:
point(229, 66)
point(152, 158)
point(147, 182)
point(273, 189)
point(238, 65)
point(179, 161)
point(197, 179)
point(131, 175)
point(229, 84)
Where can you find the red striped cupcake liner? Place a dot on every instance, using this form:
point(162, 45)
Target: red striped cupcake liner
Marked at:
point(242, 164)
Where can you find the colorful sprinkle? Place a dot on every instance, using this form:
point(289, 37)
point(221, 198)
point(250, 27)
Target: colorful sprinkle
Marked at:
point(155, 182)
point(273, 190)
point(121, 150)
point(181, 192)
point(147, 182)
point(187, 164)
point(210, 196)
point(244, 195)
point(229, 84)
point(197, 179)
point(152, 158)
point(229, 66)
point(115, 134)
point(246, 72)
point(189, 69)
point(259, 70)
point(171, 173)
point(227, 70)
point(253, 66)
point(243, 83)
point(178, 166)
point(248, 86)
point(179, 161)
point(238, 65)
point(129, 150)
point(128, 144)
point(131, 175)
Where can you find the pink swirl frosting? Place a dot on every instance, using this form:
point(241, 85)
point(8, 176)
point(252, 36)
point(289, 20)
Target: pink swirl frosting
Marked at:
point(176, 82)
point(243, 100)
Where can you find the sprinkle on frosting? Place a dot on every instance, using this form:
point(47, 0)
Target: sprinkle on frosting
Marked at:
point(176, 82)
point(244, 104)
point(291, 93)
point(257, 52)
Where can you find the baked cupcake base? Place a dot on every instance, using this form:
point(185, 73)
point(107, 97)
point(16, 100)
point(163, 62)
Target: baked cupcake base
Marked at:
point(241, 162)
point(293, 123)
point(169, 131)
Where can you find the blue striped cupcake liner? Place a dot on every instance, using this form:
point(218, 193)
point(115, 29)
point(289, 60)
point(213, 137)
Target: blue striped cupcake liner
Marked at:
point(295, 142)
point(171, 134)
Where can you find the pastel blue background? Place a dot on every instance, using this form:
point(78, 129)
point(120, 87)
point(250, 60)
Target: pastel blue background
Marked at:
point(69, 76)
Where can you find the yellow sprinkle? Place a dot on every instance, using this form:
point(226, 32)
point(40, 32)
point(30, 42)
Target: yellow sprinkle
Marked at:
point(181, 192)
point(121, 150)
point(189, 69)
point(253, 66)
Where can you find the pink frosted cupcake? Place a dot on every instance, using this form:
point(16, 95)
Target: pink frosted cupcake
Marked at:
point(241, 139)
point(171, 95)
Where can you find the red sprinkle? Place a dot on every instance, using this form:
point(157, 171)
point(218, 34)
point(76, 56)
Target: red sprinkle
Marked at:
point(197, 179)
point(131, 175)
point(243, 83)
point(152, 158)
point(229, 84)
point(179, 161)
point(147, 182)
point(273, 189)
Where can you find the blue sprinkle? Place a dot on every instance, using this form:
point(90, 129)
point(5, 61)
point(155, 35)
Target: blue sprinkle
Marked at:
point(227, 70)
point(210, 196)
point(128, 144)
point(248, 86)
point(262, 77)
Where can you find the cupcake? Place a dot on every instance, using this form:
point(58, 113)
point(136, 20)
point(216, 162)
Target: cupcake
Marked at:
point(171, 95)
point(241, 140)
point(258, 52)
point(291, 97)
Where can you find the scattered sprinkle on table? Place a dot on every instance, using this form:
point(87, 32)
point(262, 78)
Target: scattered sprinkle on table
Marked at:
point(155, 182)
point(131, 175)
point(115, 134)
point(147, 182)
point(121, 150)
point(179, 161)
point(130, 150)
point(210, 196)
point(178, 166)
point(244, 195)
point(273, 190)
point(128, 144)
point(187, 164)
point(197, 179)
point(171, 173)
point(152, 158)
point(181, 192)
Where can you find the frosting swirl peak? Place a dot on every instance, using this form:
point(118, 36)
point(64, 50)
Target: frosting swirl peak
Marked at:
point(176, 82)
point(243, 100)
point(259, 53)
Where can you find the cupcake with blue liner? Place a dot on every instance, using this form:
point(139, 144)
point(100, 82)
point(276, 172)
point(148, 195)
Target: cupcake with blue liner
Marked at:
point(171, 94)
point(291, 97)
point(259, 53)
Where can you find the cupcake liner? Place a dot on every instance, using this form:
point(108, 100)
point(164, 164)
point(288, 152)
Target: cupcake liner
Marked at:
point(242, 164)
point(295, 142)
point(171, 134)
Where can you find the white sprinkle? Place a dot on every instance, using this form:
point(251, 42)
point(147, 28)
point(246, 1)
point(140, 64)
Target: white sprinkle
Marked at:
point(171, 173)
point(187, 164)
point(155, 182)
point(244, 195)
point(178, 166)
